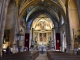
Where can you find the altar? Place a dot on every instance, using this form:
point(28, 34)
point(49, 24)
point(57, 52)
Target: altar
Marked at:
point(42, 37)
point(42, 47)
point(42, 43)
point(42, 31)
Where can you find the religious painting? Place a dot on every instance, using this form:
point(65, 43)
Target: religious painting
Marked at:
point(42, 25)
point(42, 37)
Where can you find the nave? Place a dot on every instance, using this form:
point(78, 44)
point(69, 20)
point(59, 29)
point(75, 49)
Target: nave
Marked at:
point(36, 55)
point(28, 24)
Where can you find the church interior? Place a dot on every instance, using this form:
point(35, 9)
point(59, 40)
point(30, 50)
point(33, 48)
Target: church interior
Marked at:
point(28, 25)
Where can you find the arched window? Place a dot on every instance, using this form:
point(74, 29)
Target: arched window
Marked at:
point(29, 24)
point(62, 20)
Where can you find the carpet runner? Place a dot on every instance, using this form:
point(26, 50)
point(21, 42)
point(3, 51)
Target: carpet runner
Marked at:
point(42, 57)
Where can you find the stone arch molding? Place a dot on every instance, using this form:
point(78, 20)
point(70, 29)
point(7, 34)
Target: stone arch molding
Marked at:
point(43, 21)
point(39, 12)
point(27, 4)
point(36, 8)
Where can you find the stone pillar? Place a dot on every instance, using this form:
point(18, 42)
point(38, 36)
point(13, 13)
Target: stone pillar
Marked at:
point(52, 34)
point(54, 39)
point(15, 29)
point(3, 20)
point(30, 38)
point(67, 28)
point(1, 11)
point(1, 14)
point(32, 41)
point(73, 22)
point(32, 33)
point(78, 6)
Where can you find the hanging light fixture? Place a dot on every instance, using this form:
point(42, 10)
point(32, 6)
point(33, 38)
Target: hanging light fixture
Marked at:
point(42, 0)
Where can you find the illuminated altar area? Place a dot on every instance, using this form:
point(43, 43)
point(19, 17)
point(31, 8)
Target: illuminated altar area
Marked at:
point(42, 30)
point(42, 38)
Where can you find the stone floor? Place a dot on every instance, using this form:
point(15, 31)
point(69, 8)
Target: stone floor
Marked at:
point(42, 57)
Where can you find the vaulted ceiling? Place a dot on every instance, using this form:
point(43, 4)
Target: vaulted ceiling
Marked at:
point(30, 9)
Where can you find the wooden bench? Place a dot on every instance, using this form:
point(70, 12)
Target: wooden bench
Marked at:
point(54, 55)
point(28, 55)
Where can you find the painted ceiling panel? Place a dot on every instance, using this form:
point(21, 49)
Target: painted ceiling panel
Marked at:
point(42, 22)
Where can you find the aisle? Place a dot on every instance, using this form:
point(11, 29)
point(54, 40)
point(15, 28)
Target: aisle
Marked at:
point(42, 57)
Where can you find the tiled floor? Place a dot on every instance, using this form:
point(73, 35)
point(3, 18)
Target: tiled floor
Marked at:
point(42, 57)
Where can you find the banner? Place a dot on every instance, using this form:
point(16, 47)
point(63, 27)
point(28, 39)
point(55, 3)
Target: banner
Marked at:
point(27, 40)
point(57, 41)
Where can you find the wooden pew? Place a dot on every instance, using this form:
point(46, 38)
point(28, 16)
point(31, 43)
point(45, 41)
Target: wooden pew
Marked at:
point(28, 55)
point(53, 55)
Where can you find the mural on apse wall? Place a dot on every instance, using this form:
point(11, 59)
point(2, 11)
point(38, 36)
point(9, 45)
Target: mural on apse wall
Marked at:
point(42, 37)
point(42, 25)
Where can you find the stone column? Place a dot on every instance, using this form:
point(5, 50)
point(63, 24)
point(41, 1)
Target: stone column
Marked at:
point(52, 40)
point(1, 11)
point(30, 38)
point(78, 6)
point(55, 39)
point(32, 41)
point(73, 22)
point(32, 35)
point(3, 20)
point(67, 28)
point(15, 29)
point(1, 14)
point(52, 34)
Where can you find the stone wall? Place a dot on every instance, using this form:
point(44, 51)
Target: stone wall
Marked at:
point(3, 20)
